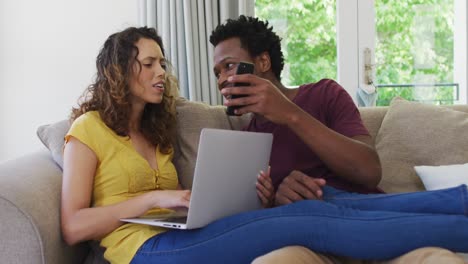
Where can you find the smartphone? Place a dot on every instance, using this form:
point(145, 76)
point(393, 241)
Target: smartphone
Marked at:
point(242, 68)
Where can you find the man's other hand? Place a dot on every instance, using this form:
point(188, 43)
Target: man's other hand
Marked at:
point(298, 186)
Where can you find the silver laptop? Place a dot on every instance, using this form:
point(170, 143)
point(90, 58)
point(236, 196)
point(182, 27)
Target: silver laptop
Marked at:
point(224, 181)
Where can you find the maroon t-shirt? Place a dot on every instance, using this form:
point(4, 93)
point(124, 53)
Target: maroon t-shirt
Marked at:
point(330, 104)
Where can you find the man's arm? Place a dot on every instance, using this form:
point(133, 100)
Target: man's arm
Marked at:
point(298, 186)
point(353, 159)
point(350, 158)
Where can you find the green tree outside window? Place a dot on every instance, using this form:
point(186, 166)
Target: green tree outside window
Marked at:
point(414, 44)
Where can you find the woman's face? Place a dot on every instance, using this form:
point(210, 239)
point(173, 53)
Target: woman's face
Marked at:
point(147, 83)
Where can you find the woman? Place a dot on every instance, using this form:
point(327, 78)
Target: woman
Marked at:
point(117, 164)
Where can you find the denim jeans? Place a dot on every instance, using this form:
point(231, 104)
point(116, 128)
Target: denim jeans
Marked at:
point(377, 226)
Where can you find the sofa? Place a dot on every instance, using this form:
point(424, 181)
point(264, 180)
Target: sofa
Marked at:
point(406, 134)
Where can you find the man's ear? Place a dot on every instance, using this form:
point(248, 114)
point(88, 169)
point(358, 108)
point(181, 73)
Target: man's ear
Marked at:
point(263, 62)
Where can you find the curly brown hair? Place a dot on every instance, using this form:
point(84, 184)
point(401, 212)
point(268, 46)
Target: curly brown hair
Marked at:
point(110, 92)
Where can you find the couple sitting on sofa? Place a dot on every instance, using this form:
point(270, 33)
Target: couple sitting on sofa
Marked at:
point(321, 187)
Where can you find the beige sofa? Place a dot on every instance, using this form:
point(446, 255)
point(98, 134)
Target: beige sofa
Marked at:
point(30, 185)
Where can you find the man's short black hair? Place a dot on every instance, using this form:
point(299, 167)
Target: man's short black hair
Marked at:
point(255, 36)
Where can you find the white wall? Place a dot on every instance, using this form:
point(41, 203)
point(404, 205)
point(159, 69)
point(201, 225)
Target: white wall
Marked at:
point(47, 58)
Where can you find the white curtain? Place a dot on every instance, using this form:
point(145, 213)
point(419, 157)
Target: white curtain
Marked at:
point(185, 27)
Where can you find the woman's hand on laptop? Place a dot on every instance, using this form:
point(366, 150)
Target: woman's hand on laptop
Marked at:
point(265, 189)
point(170, 198)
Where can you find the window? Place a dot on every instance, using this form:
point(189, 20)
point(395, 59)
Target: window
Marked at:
point(414, 51)
point(412, 45)
point(308, 32)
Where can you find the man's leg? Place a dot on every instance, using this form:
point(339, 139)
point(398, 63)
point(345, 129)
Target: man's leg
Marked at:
point(428, 255)
point(293, 255)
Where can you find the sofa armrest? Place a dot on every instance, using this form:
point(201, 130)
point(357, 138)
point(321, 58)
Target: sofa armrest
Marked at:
point(30, 189)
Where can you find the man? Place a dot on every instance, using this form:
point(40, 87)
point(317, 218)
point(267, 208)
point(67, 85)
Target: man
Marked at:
point(319, 137)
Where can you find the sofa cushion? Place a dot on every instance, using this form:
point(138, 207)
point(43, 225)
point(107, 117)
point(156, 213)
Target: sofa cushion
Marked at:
point(440, 177)
point(419, 134)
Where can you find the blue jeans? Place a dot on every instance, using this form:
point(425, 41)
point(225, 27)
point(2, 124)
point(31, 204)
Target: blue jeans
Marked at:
point(377, 226)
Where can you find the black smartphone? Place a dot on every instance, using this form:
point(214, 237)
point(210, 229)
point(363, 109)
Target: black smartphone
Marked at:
point(242, 68)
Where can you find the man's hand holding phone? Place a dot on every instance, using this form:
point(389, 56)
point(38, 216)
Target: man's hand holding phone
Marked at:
point(242, 68)
point(262, 97)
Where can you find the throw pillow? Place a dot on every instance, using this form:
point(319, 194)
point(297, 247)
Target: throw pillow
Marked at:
point(419, 134)
point(52, 136)
point(440, 177)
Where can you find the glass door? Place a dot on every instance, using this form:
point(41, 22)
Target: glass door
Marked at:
point(416, 49)
point(420, 53)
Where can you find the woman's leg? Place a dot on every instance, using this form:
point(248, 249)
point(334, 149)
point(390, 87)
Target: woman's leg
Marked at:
point(319, 226)
point(447, 201)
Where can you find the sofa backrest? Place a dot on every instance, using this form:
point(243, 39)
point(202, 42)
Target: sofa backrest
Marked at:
point(193, 116)
point(373, 116)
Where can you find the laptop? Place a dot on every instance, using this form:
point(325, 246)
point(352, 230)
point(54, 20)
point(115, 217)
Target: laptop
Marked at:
point(224, 181)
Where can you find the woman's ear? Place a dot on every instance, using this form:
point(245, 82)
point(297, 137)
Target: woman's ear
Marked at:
point(263, 62)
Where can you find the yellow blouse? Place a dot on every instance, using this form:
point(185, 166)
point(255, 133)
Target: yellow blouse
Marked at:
point(122, 173)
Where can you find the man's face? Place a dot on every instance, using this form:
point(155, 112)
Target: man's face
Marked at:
point(227, 55)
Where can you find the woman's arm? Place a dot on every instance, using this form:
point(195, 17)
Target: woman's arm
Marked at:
point(80, 222)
